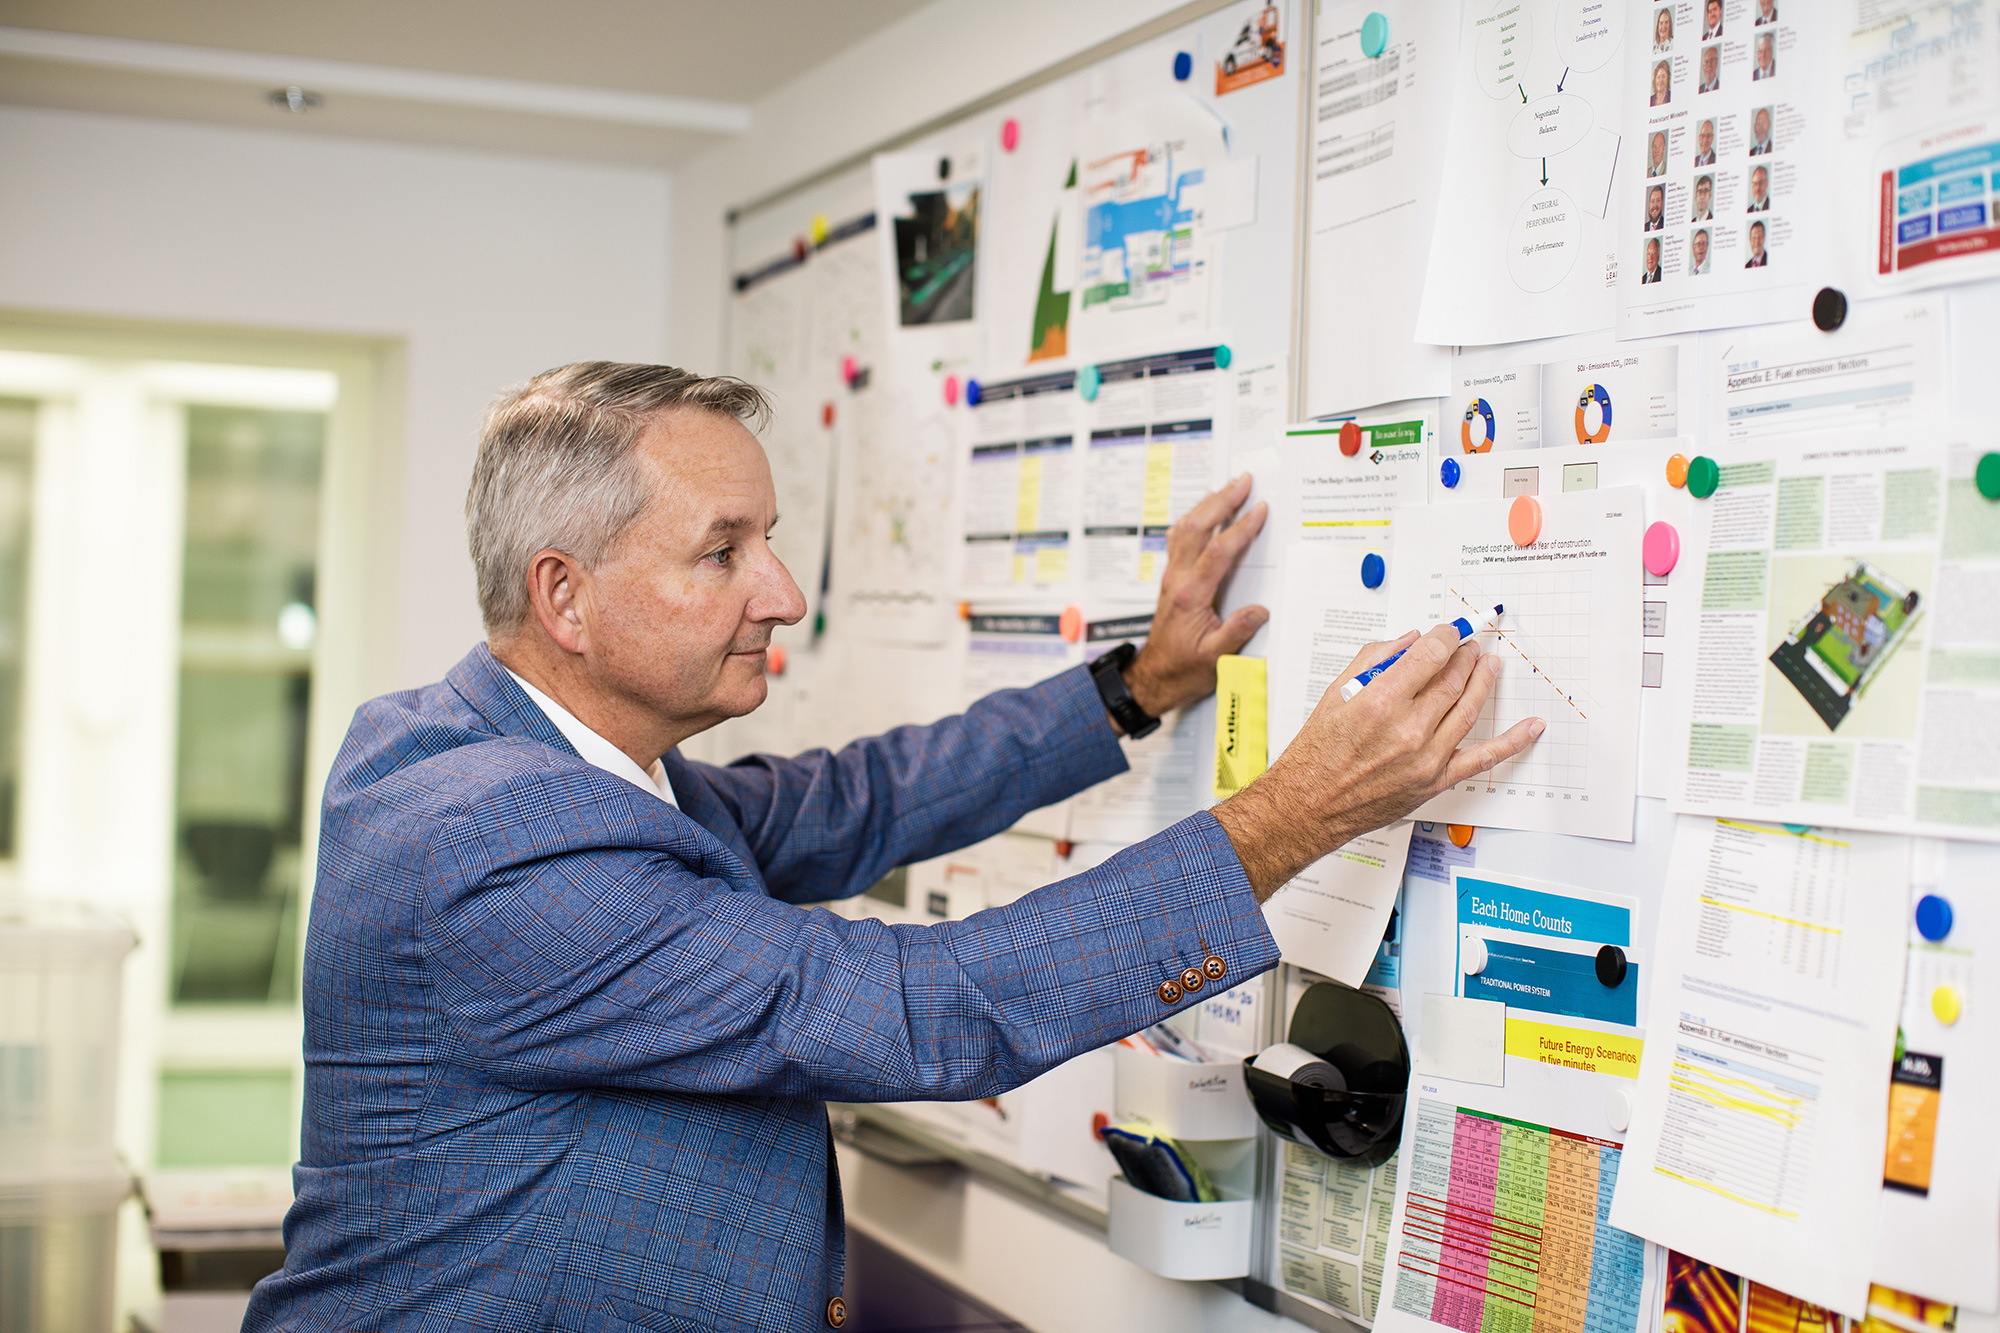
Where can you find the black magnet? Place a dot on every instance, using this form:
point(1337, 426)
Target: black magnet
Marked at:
point(1611, 965)
point(1830, 309)
point(944, 174)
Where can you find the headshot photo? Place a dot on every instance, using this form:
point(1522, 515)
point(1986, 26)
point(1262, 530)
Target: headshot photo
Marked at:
point(1704, 199)
point(1760, 131)
point(1656, 207)
point(1760, 191)
point(1698, 251)
point(1651, 271)
point(1663, 84)
point(1663, 30)
point(1711, 69)
point(1759, 257)
point(1767, 56)
point(1704, 144)
point(1656, 154)
point(1711, 20)
point(1767, 12)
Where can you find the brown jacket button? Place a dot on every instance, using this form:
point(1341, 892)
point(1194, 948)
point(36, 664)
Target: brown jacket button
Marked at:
point(1192, 980)
point(1215, 967)
point(836, 1312)
point(1170, 993)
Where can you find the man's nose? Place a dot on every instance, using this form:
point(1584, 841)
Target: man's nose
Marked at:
point(779, 597)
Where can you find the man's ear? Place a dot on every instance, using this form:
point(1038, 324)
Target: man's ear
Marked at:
point(553, 592)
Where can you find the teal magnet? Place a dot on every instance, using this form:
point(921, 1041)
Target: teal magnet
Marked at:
point(1375, 34)
point(1087, 381)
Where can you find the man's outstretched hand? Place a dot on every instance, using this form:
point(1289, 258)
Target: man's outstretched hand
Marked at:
point(1360, 765)
point(1177, 664)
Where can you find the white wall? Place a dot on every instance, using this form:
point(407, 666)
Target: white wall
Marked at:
point(489, 268)
point(938, 59)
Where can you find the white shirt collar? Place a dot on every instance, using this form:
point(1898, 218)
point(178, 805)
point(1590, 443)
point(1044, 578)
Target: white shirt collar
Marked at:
point(597, 751)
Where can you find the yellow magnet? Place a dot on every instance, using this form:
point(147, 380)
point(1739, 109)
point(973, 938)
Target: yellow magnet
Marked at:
point(1945, 1004)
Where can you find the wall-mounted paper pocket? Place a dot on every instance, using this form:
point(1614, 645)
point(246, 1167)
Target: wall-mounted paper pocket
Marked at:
point(1463, 1040)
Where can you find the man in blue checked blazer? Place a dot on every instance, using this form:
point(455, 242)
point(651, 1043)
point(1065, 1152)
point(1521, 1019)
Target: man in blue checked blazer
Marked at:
point(568, 1027)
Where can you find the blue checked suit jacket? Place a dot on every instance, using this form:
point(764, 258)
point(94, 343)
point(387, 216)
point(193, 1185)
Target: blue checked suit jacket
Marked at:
point(566, 1045)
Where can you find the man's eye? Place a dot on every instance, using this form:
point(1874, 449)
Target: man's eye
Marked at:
point(722, 556)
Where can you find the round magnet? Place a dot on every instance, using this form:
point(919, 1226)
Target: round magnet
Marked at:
point(1677, 471)
point(1449, 472)
point(1372, 570)
point(1934, 917)
point(799, 248)
point(1010, 134)
point(1183, 66)
point(1460, 834)
point(1472, 956)
point(774, 659)
point(1703, 476)
point(951, 390)
point(1798, 830)
point(972, 393)
point(1618, 1110)
point(819, 229)
point(849, 368)
point(1350, 438)
point(1946, 1005)
point(1986, 476)
point(1374, 34)
point(1662, 550)
point(1087, 381)
point(965, 610)
point(826, 414)
point(1524, 520)
point(1071, 623)
point(1223, 356)
point(944, 168)
point(1611, 966)
point(1829, 309)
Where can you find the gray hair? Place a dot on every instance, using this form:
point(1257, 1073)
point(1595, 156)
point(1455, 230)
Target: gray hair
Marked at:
point(558, 468)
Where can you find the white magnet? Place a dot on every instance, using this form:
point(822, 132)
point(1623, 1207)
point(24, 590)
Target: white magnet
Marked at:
point(1618, 1110)
point(1472, 955)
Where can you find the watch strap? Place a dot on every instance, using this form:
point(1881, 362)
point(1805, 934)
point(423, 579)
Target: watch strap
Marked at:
point(1109, 673)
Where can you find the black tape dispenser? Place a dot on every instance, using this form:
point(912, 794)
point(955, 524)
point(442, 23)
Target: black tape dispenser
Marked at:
point(1339, 1083)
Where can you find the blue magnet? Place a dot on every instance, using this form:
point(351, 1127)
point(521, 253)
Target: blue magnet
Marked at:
point(1087, 381)
point(972, 393)
point(1449, 472)
point(1933, 917)
point(1372, 570)
point(1374, 34)
point(1223, 356)
point(1183, 65)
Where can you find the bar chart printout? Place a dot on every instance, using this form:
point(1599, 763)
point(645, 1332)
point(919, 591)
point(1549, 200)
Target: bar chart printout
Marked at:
point(1506, 1229)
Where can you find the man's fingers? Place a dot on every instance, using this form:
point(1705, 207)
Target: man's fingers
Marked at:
point(1426, 657)
point(1209, 513)
point(1475, 759)
point(1464, 710)
point(1222, 552)
point(1234, 632)
point(1373, 653)
point(1448, 688)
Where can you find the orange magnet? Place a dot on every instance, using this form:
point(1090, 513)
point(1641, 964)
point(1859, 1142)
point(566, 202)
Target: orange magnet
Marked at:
point(774, 659)
point(1064, 847)
point(1350, 439)
point(826, 414)
point(1677, 471)
point(1524, 520)
point(1460, 834)
point(1071, 623)
point(965, 610)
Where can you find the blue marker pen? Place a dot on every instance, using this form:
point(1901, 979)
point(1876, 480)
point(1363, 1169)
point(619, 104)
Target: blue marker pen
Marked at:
point(1354, 687)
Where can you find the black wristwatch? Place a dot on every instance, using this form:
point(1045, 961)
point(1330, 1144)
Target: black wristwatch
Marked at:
point(1109, 673)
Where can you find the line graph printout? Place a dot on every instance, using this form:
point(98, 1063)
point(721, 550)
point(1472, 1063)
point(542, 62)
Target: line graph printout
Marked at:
point(1764, 1082)
point(1569, 642)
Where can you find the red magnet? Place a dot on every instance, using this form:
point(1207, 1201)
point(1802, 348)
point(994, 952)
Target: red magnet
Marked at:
point(1071, 623)
point(1662, 550)
point(1524, 520)
point(826, 413)
point(799, 248)
point(1010, 134)
point(1350, 438)
point(774, 659)
point(951, 391)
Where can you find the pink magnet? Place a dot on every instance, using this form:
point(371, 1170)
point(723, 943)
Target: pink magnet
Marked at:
point(1010, 134)
point(1524, 520)
point(849, 368)
point(951, 390)
point(1662, 550)
point(1071, 623)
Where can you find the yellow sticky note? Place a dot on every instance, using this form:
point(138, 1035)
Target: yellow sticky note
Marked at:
point(1240, 733)
point(1574, 1048)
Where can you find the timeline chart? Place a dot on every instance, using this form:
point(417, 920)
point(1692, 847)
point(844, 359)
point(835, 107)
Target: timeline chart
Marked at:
point(1506, 1231)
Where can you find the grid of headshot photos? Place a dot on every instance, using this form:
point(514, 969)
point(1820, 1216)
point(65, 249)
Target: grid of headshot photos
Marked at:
point(1714, 158)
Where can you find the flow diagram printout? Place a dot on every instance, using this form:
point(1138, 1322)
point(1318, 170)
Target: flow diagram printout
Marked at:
point(1568, 640)
point(1763, 1090)
point(1526, 248)
point(1846, 623)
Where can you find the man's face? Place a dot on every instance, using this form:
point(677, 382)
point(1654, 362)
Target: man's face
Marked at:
point(1655, 203)
point(1701, 247)
point(1714, 12)
point(1757, 239)
point(1707, 135)
point(1711, 61)
point(1767, 7)
point(1704, 190)
point(678, 618)
point(1760, 182)
point(1652, 254)
point(1764, 51)
point(1761, 124)
point(1659, 149)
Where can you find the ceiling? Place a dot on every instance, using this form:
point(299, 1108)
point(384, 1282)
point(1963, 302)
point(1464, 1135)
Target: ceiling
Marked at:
point(508, 75)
